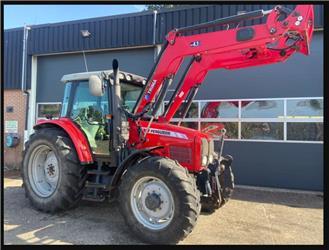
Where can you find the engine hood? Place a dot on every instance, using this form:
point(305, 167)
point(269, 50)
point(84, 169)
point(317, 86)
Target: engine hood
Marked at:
point(179, 143)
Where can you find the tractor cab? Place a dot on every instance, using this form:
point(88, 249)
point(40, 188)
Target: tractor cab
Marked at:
point(90, 111)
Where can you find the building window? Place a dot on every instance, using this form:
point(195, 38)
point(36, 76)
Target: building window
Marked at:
point(305, 108)
point(272, 119)
point(193, 125)
point(305, 131)
point(262, 109)
point(220, 109)
point(262, 130)
point(192, 112)
point(45, 109)
point(215, 129)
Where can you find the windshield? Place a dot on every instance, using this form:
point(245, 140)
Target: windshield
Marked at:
point(129, 95)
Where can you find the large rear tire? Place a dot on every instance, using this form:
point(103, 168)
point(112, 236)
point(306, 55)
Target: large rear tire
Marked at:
point(52, 175)
point(159, 200)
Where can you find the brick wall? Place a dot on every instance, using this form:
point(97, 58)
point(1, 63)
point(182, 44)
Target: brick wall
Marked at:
point(16, 99)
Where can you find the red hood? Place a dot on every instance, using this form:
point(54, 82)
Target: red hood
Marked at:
point(174, 139)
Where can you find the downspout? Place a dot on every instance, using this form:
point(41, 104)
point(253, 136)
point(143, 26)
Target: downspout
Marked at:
point(156, 51)
point(23, 83)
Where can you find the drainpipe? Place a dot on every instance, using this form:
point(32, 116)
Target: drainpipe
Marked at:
point(156, 50)
point(23, 83)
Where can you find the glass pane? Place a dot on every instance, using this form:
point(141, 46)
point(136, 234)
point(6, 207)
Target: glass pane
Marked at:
point(85, 104)
point(312, 108)
point(305, 131)
point(220, 109)
point(262, 109)
point(49, 109)
point(89, 112)
point(193, 125)
point(214, 128)
point(262, 130)
point(66, 98)
point(191, 113)
point(130, 94)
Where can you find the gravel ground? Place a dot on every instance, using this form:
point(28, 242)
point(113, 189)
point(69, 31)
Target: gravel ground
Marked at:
point(251, 217)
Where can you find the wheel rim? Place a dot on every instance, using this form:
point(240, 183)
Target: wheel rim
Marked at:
point(43, 171)
point(152, 203)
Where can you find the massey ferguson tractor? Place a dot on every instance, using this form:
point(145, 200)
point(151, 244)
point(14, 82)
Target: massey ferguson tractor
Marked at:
point(114, 139)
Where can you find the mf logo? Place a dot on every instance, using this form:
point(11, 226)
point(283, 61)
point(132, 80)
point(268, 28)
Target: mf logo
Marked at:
point(195, 44)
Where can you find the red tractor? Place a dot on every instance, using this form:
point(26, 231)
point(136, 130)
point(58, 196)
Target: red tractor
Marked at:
point(113, 140)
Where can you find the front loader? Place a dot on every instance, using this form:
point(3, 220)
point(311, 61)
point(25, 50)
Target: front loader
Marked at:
point(114, 139)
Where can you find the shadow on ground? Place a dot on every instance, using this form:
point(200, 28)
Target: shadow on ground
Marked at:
point(299, 200)
point(13, 174)
point(89, 223)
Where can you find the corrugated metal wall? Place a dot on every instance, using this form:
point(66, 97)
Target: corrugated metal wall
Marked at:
point(168, 20)
point(318, 15)
point(13, 50)
point(110, 32)
point(50, 89)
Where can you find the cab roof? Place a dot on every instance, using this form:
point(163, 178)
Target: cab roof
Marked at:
point(125, 76)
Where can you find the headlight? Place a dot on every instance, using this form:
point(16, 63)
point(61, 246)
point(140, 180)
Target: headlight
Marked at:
point(204, 161)
point(204, 152)
point(128, 77)
point(211, 158)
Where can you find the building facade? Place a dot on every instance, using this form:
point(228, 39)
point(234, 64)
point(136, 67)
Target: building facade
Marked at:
point(273, 114)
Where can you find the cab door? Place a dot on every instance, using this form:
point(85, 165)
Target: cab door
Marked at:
point(89, 112)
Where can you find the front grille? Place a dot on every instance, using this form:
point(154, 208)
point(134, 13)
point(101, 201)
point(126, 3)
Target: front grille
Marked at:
point(181, 154)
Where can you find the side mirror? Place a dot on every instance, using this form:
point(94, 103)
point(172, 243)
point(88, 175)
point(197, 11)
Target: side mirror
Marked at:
point(96, 86)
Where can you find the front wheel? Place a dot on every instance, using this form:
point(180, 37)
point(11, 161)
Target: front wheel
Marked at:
point(159, 200)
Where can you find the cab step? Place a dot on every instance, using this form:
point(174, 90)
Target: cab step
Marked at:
point(91, 197)
point(95, 185)
point(98, 172)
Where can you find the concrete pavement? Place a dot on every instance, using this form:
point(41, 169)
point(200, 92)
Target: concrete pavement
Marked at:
point(251, 217)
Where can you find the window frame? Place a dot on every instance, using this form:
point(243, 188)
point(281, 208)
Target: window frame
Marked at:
point(47, 103)
point(284, 119)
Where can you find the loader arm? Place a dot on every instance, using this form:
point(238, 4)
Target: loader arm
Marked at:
point(285, 32)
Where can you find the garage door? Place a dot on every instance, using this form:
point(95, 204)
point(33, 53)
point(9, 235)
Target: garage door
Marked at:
point(51, 68)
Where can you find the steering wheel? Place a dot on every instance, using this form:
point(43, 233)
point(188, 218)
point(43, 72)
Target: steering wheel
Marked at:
point(83, 115)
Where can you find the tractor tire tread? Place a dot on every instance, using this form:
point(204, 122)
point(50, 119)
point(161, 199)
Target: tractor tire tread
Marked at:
point(185, 194)
point(72, 174)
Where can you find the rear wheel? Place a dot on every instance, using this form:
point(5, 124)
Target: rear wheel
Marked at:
point(52, 176)
point(159, 200)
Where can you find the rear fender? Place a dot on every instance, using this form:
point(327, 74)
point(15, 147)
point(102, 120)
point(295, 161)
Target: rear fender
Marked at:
point(77, 136)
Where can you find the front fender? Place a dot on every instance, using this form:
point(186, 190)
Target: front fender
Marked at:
point(77, 136)
point(128, 161)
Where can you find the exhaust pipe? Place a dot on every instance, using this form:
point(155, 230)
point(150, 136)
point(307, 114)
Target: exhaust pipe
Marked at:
point(116, 118)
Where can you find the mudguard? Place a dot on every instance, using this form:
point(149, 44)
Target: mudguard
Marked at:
point(77, 136)
point(128, 161)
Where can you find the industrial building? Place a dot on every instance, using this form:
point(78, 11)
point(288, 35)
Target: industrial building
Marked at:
point(273, 114)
